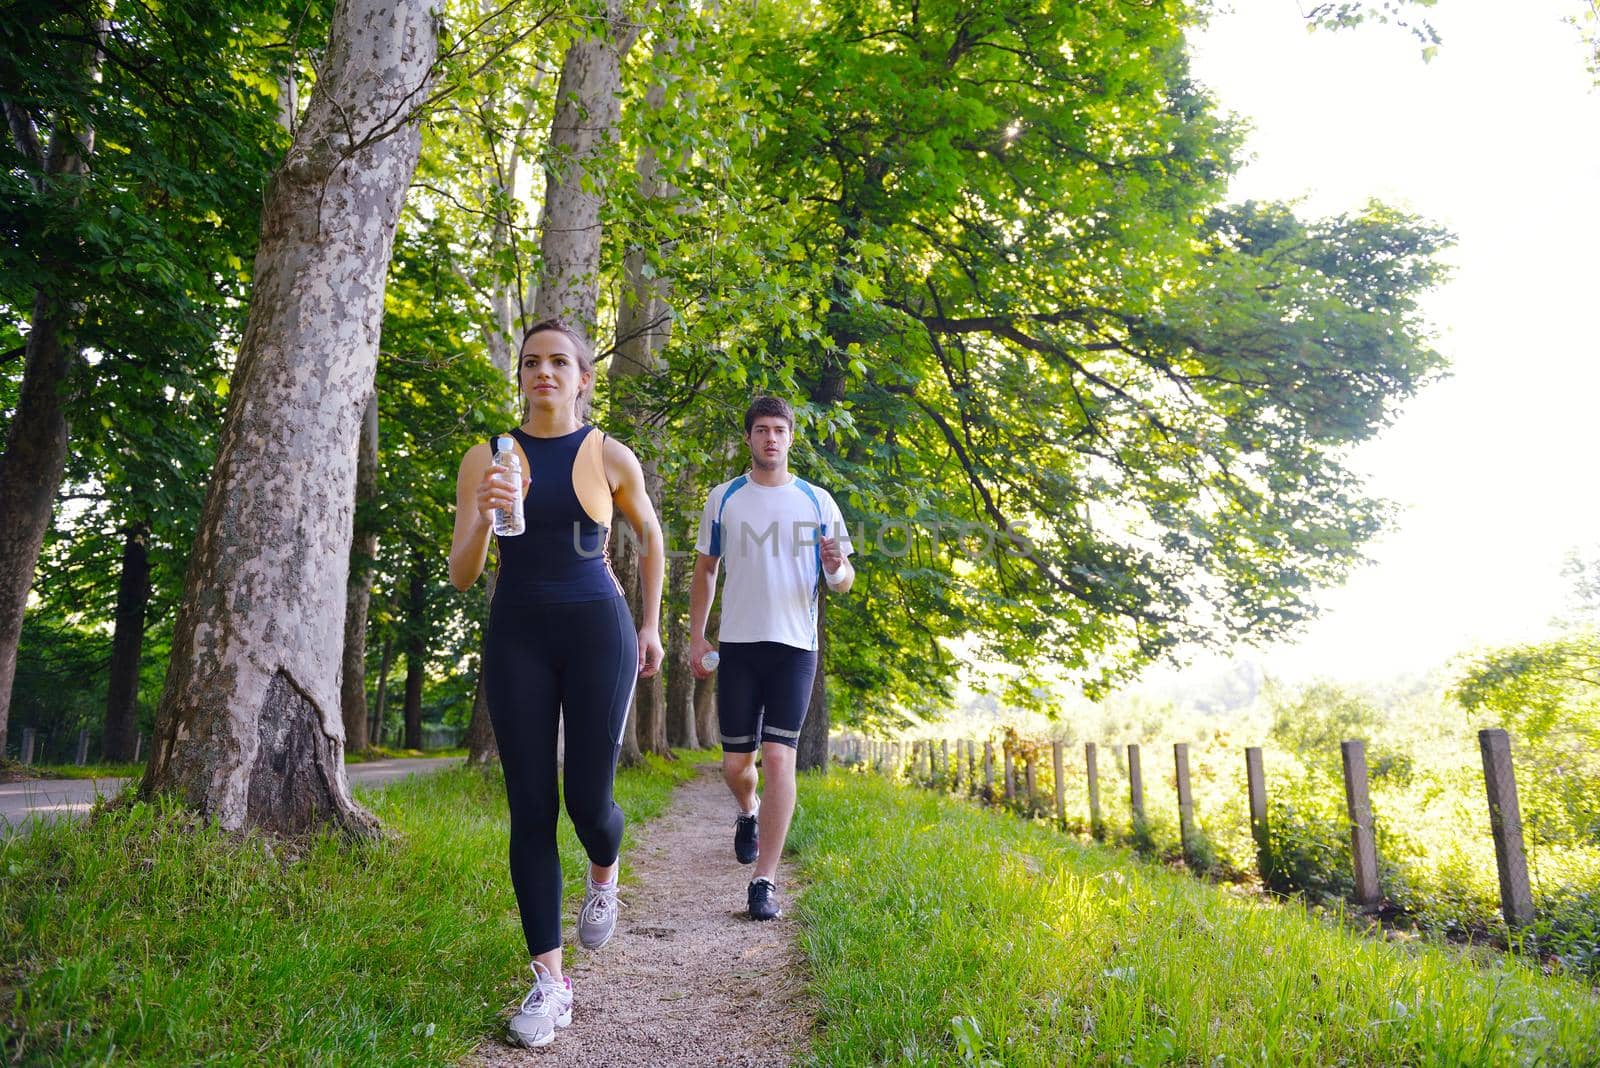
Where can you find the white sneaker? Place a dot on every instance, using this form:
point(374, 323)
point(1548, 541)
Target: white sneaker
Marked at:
point(547, 1007)
point(598, 917)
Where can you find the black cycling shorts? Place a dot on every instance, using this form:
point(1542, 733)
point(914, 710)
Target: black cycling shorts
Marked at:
point(763, 691)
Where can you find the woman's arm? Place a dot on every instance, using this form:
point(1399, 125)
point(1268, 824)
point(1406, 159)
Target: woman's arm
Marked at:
point(478, 494)
point(633, 501)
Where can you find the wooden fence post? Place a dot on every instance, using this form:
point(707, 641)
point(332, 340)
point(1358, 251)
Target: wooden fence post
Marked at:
point(1030, 777)
point(1135, 789)
point(1255, 776)
point(29, 740)
point(1505, 820)
point(1061, 797)
point(1091, 763)
point(1363, 847)
point(1011, 775)
point(972, 763)
point(944, 760)
point(988, 770)
point(1180, 761)
point(83, 747)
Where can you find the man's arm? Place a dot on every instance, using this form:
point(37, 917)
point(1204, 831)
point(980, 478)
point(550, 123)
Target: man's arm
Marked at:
point(702, 589)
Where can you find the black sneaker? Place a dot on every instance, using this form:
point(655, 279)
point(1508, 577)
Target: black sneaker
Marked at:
point(764, 899)
point(746, 839)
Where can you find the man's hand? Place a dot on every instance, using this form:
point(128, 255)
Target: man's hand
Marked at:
point(698, 648)
point(832, 555)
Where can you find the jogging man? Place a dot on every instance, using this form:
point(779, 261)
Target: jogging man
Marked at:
point(781, 538)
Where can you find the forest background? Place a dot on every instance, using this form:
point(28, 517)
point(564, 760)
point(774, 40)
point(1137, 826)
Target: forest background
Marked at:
point(991, 251)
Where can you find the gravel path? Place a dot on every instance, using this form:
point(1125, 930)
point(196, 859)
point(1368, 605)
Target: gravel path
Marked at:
point(688, 979)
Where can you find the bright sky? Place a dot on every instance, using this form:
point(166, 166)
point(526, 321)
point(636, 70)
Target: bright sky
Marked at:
point(1497, 469)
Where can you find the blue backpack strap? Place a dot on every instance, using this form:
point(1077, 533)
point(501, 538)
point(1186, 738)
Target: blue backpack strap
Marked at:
point(716, 524)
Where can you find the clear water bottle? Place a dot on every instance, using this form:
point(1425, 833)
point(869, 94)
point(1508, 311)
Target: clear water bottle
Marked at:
point(711, 660)
point(509, 521)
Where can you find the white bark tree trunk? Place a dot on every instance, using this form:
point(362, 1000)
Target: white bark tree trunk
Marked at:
point(583, 137)
point(249, 728)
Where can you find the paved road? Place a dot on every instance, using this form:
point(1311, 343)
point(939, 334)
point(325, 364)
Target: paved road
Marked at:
point(23, 802)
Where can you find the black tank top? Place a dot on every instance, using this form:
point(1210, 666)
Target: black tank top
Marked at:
point(562, 556)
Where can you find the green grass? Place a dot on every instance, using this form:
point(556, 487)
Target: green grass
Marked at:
point(137, 938)
point(944, 934)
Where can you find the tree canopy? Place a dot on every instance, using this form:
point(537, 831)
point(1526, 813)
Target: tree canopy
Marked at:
point(1079, 408)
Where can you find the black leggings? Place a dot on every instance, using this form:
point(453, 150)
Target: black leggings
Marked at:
point(541, 661)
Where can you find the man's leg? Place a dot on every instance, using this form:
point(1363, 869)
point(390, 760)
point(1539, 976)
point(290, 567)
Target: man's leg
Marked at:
point(787, 693)
point(777, 805)
point(738, 719)
point(739, 772)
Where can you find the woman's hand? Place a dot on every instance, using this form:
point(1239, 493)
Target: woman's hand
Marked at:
point(650, 651)
point(495, 491)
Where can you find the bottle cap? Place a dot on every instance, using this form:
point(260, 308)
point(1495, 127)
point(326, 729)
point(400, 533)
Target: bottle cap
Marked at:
point(502, 443)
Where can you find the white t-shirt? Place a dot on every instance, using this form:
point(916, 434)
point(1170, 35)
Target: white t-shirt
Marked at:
point(767, 537)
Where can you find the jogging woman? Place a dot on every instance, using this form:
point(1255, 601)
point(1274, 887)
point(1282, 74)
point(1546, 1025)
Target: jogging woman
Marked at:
point(560, 643)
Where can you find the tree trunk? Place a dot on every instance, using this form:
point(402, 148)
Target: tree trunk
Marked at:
point(682, 730)
point(363, 552)
point(122, 694)
point(814, 733)
point(376, 736)
point(482, 749)
point(416, 652)
point(36, 443)
point(582, 135)
point(250, 730)
point(705, 711)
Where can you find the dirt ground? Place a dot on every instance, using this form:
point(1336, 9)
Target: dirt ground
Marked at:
point(688, 979)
